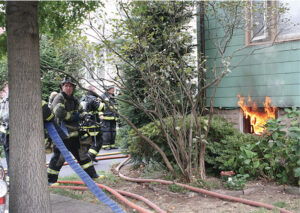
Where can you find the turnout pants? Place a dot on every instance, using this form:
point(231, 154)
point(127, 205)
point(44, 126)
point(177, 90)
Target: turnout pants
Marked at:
point(5, 141)
point(96, 144)
point(109, 137)
point(108, 132)
point(58, 160)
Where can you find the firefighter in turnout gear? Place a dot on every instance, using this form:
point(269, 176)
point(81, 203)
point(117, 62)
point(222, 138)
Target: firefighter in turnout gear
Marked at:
point(109, 118)
point(91, 104)
point(4, 124)
point(48, 140)
point(66, 109)
point(4, 127)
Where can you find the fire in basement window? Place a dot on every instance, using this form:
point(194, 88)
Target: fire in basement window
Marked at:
point(257, 116)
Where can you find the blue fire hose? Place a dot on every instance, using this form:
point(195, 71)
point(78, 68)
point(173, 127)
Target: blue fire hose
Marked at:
point(80, 172)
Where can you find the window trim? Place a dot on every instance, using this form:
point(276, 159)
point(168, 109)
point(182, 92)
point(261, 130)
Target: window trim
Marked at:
point(273, 37)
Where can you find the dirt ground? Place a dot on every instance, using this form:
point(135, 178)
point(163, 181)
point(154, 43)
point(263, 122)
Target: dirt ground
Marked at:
point(185, 201)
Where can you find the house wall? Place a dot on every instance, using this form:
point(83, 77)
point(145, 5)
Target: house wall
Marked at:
point(272, 71)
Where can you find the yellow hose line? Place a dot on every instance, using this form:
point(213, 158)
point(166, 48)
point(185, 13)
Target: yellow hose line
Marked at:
point(111, 153)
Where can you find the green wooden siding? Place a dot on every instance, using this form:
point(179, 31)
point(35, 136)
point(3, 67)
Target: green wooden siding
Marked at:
point(272, 71)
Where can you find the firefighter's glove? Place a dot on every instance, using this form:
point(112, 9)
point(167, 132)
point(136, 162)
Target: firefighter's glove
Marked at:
point(48, 143)
point(88, 117)
point(60, 132)
point(75, 116)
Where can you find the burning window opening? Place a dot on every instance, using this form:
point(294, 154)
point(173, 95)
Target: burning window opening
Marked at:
point(256, 117)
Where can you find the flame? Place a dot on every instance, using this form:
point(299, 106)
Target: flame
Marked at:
point(258, 119)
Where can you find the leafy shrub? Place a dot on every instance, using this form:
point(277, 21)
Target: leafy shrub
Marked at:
point(224, 147)
point(223, 141)
point(273, 156)
point(236, 182)
point(278, 152)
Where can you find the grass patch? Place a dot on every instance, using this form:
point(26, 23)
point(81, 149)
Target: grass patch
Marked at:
point(263, 210)
point(281, 204)
point(207, 184)
point(67, 193)
point(177, 189)
point(72, 177)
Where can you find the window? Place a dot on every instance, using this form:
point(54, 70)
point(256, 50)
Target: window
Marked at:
point(272, 21)
point(259, 20)
point(288, 25)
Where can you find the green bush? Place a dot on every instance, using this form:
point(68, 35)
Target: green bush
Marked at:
point(222, 153)
point(223, 141)
point(236, 182)
point(278, 151)
point(273, 156)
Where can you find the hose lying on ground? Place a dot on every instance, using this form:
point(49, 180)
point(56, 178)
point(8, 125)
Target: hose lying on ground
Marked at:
point(117, 193)
point(199, 190)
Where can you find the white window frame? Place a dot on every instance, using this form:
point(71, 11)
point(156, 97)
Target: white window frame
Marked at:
point(265, 30)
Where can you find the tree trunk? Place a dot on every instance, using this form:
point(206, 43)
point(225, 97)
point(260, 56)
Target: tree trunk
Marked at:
point(28, 188)
point(202, 161)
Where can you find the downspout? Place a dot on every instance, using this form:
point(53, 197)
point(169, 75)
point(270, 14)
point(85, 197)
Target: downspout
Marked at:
point(201, 51)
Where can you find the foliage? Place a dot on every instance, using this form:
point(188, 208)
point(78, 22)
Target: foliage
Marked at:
point(177, 189)
point(3, 72)
point(236, 182)
point(60, 17)
point(223, 139)
point(56, 18)
point(157, 74)
point(207, 184)
point(281, 204)
point(55, 61)
point(275, 156)
point(224, 146)
point(156, 68)
point(281, 148)
point(155, 22)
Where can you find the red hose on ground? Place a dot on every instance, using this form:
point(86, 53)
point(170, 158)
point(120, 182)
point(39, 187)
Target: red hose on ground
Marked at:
point(199, 190)
point(138, 197)
point(117, 193)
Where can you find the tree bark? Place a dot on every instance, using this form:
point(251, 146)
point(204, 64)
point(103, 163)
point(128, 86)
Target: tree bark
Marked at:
point(202, 161)
point(28, 188)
